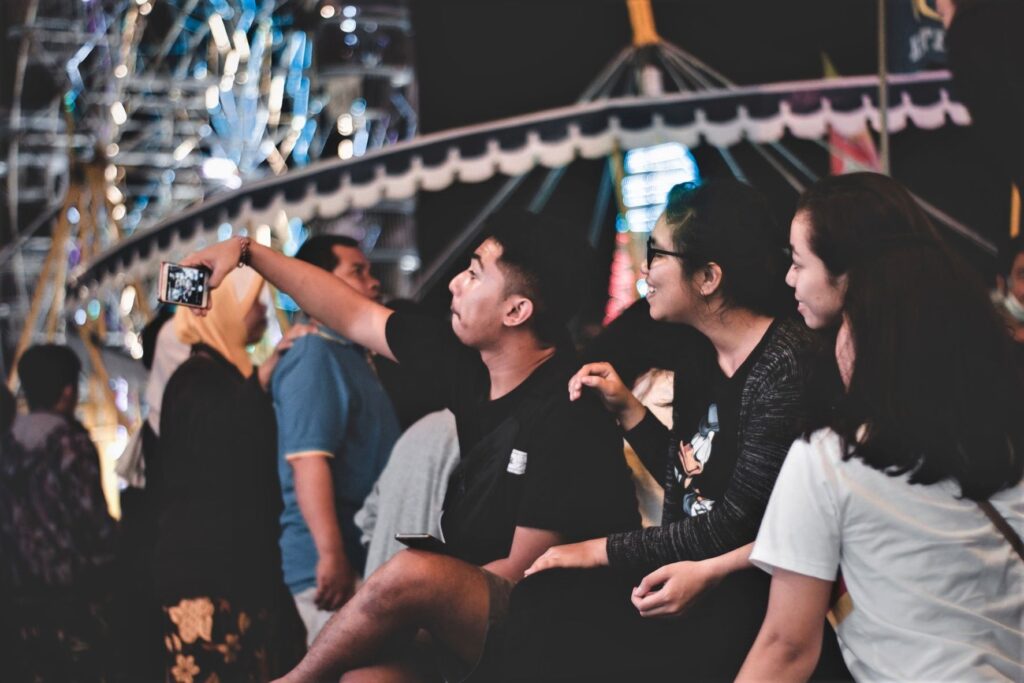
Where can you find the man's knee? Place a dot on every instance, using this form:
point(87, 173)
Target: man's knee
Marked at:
point(417, 580)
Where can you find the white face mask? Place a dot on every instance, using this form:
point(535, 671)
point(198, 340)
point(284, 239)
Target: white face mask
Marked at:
point(1014, 307)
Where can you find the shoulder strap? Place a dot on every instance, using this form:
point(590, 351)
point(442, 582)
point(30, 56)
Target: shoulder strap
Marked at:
point(1004, 527)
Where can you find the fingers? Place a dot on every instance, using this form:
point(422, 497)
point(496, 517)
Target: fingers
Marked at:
point(549, 560)
point(589, 375)
point(652, 582)
point(653, 605)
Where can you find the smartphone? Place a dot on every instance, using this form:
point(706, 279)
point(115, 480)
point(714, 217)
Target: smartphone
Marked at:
point(423, 542)
point(184, 285)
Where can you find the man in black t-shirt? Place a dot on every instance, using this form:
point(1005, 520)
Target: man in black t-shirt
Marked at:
point(535, 469)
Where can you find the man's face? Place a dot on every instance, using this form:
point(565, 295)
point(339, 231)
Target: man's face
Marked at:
point(1015, 283)
point(354, 270)
point(478, 298)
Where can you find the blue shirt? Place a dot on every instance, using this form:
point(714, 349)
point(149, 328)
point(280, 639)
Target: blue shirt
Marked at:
point(328, 399)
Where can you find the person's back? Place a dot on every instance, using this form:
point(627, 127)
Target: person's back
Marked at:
point(899, 512)
point(59, 530)
point(218, 488)
point(56, 536)
point(217, 566)
point(934, 591)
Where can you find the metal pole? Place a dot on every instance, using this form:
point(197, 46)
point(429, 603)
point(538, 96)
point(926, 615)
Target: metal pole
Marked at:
point(883, 88)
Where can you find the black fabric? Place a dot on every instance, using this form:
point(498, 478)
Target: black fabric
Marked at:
point(598, 635)
point(575, 481)
point(634, 343)
point(706, 386)
point(216, 479)
point(773, 411)
point(986, 55)
point(135, 620)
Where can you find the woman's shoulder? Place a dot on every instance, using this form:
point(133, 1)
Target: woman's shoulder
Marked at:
point(788, 353)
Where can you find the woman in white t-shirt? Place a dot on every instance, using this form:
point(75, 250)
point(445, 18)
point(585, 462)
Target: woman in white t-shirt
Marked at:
point(879, 515)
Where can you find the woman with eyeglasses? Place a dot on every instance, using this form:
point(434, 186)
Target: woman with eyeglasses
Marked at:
point(716, 262)
point(911, 491)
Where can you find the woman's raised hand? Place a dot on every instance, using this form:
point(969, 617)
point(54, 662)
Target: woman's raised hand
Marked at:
point(609, 387)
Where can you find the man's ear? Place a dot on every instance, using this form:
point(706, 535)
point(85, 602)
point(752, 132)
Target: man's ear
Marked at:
point(710, 279)
point(518, 309)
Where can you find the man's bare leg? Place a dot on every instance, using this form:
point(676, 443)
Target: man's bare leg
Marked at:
point(415, 590)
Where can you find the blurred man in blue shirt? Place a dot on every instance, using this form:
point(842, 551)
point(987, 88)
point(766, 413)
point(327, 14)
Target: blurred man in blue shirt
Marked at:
point(336, 427)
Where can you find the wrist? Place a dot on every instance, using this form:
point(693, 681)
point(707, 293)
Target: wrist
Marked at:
point(245, 251)
point(632, 414)
point(333, 552)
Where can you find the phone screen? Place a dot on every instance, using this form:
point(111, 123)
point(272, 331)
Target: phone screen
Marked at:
point(185, 285)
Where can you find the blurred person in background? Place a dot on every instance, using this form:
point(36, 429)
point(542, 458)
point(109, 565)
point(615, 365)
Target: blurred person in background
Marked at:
point(336, 428)
point(56, 535)
point(227, 613)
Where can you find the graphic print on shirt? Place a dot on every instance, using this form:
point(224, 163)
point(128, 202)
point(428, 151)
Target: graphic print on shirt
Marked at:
point(693, 458)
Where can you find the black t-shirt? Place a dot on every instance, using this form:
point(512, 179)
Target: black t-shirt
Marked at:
point(710, 412)
point(530, 458)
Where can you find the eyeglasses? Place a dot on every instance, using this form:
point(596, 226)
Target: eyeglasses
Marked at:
point(653, 251)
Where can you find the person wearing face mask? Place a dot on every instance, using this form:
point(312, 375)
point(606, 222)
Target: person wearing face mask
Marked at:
point(217, 566)
point(903, 511)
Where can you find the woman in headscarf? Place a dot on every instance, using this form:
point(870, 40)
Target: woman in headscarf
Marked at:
point(227, 613)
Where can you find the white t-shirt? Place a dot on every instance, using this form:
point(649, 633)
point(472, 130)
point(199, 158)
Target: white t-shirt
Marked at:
point(937, 592)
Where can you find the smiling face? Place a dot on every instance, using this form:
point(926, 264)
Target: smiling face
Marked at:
point(819, 295)
point(479, 298)
point(670, 293)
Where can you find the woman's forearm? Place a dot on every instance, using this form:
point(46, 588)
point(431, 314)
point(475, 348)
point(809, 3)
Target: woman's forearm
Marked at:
point(776, 657)
point(732, 561)
point(789, 643)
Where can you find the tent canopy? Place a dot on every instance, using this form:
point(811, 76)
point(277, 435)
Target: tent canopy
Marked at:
point(514, 146)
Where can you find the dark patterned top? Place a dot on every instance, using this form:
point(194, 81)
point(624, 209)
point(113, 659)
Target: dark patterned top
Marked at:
point(772, 413)
point(55, 531)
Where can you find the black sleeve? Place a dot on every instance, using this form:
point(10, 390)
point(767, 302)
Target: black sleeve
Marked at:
point(578, 483)
point(428, 348)
point(650, 440)
point(774, 422)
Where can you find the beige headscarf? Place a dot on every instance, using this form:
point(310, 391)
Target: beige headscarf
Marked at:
point(223, 327)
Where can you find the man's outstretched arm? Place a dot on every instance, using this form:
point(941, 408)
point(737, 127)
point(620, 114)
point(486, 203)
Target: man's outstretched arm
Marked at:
point(317, 292)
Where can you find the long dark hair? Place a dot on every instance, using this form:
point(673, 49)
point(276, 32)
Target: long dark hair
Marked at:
point(729, 223)
point(934, 383)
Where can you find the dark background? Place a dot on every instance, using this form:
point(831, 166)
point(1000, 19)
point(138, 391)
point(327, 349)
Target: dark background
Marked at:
point(488, 59)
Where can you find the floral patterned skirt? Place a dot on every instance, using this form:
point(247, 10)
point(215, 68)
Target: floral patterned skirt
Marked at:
point(212, 640)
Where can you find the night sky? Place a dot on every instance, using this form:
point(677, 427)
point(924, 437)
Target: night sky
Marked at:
point(487, 59)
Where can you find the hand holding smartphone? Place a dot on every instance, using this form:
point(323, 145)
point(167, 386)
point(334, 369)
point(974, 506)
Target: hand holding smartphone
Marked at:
point(184, 285)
